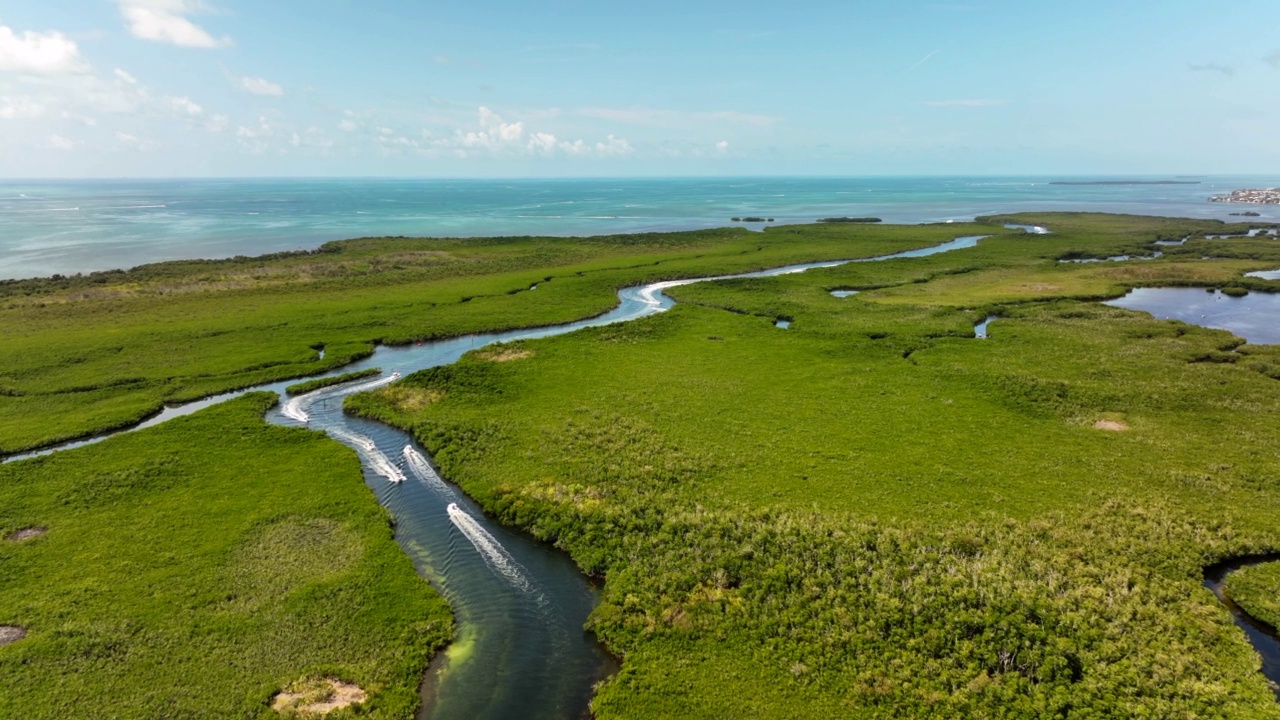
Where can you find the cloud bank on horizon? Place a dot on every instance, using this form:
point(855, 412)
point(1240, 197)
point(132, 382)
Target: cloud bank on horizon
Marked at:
point(228, 87)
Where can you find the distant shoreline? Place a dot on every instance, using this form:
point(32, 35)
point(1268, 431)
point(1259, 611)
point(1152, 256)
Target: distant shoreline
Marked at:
point(1258, 196)
point(1125, 182)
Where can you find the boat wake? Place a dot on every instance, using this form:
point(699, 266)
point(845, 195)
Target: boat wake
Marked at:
point(495, 556)
point(295, 408)
point(377, 460)
point(372, 384)
point(417, 463)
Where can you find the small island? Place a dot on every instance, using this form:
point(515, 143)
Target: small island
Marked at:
point(751, 219)
point(850, 220)
point(1256, 196)
point(1247, 213)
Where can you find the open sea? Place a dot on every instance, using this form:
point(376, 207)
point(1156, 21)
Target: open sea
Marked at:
point(75, 226)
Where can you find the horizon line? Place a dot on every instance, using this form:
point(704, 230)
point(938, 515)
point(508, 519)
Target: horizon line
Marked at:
point(519, 178)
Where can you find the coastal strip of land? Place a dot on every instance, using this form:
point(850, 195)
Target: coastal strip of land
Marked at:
point(1257, 196)
point(1124, 182)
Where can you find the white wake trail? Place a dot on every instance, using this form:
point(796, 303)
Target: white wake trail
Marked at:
point(420, 467)
point(377, 460)
point(495, 556)
point(295, 408)
point(362, 387)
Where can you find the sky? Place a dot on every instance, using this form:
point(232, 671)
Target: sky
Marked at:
point(232, 88)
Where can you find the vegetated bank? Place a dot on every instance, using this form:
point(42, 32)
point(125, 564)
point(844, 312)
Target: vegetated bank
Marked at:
point(875, 515)
point(1257, 590)
point(198, 568)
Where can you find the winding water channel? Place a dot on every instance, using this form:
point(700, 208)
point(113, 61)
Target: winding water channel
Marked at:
point(520, 650)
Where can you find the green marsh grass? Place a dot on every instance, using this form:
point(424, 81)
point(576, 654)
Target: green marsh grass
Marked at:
point(876, 515)
point(196, 568)
point(869, 515)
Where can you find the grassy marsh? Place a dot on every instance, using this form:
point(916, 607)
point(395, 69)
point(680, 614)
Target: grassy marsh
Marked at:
point(196, 568)
point(873, 514)
point(869, 515)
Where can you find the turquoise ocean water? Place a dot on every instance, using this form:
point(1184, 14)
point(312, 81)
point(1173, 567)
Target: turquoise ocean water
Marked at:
point(49, 227)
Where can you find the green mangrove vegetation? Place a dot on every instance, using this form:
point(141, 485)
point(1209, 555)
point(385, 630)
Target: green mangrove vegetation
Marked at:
point(88, 354)
point(303, 388)
point(179, 574)
point(869, 515)
point(873, 514)
point(1257, 590)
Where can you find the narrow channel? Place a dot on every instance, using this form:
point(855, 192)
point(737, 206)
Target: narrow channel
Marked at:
point(1261, 635)
point(520, 650)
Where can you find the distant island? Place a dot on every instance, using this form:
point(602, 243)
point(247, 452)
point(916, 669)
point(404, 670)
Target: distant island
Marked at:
point(1125, 182)
point(850, 220)
point(1247, 213)
point(751, 219)
point(1257, 196)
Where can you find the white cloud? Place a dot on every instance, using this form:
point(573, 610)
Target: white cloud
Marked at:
point(348, 125)
point(976, 102)
point(165, 21)
point(126, 77)
point(575, 148)
point(19, 108)
point(677, 118)
point(263, 129)
point(217, 123)
point(57, 142)
point(312, 137)
point(614, 147)
point(260, 86)
point(542, 143)
point(50, 53)
point(496, 136)
point(722, 147)
point(184, 106)
point(133, 142)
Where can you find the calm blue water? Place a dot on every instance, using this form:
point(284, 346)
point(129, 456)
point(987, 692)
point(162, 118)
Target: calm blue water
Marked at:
point(66, 227)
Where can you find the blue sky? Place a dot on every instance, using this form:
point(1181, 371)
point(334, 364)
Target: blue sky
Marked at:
point(124, 88)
